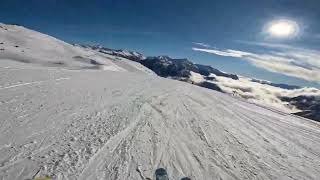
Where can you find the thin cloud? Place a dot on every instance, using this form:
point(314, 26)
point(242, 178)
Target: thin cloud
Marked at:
point(269, 45)
point(301, 63)
point(228, 52)
point(317, 36)
point(202, 44)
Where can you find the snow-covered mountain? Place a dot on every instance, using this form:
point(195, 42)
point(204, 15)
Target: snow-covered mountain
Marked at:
point(132, 55)
point(24, 45)
point(287, 98)
point(71, 121)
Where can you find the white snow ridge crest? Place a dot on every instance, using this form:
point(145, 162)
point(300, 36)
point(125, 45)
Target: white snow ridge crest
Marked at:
point(64, 118)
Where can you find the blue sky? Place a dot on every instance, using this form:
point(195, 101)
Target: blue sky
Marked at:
point(174, 27)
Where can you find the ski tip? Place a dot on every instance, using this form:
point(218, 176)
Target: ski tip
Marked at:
point(185, 178)
point(161, 174)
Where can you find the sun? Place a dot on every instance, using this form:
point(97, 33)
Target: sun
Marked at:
point(282, 28)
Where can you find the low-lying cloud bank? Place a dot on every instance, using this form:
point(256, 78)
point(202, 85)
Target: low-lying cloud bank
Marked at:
point(287, 60)
point(265, 94)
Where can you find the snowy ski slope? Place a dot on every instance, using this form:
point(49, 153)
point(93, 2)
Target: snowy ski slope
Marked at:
point(69, 122)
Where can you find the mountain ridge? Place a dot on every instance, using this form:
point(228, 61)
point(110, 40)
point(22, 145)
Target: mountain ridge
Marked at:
point(180, 69)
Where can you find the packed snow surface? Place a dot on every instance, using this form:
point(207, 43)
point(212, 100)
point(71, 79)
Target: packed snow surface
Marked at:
point(97, 123)
point(90, 124)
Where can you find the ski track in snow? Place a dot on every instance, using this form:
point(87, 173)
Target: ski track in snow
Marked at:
point(119, 125)
point(29, 83)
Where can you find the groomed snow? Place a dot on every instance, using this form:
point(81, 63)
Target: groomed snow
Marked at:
point(83, 123)
point(117, 125)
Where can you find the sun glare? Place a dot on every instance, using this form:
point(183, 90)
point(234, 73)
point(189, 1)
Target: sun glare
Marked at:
point(283, 28)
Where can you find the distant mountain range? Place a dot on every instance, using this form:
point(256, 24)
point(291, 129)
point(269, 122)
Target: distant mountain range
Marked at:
point(131, 55)
point(300, 101)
